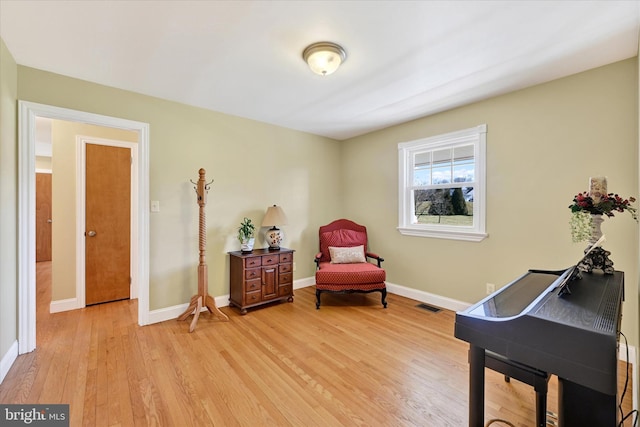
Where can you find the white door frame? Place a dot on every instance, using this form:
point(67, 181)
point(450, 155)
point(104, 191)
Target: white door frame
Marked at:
point(81, 208)
point(27, 113)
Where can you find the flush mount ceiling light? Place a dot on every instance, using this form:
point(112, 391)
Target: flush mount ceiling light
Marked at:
point(324, 57)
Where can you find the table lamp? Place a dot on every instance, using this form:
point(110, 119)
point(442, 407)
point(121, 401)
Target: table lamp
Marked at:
point(275, 216)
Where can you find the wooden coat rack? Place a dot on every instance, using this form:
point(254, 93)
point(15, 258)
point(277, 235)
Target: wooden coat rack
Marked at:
point(202, 298)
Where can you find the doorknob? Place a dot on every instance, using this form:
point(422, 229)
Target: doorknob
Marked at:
point(49, 221)
point(91, 233)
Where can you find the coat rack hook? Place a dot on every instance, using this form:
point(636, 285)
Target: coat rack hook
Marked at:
point(195, 188)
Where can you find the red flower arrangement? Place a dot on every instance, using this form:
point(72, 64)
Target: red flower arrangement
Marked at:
point(608, 204)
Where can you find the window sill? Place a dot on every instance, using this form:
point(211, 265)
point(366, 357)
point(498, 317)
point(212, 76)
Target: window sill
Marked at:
point(451, 234)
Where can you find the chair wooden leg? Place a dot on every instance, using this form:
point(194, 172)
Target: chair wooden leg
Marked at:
point(317, 299)
point(384, 297)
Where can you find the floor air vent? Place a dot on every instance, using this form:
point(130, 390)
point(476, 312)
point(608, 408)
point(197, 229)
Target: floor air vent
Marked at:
point(428, 307)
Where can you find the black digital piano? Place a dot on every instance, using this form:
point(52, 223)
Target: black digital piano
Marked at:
point(563, 323)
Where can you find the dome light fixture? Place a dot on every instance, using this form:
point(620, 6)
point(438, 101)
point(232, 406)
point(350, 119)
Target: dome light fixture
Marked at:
point(324, 58)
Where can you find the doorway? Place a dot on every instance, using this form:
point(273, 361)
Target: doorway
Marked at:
point(28, 112)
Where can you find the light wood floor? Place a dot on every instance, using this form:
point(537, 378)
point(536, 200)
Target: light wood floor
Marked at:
point(351, 363)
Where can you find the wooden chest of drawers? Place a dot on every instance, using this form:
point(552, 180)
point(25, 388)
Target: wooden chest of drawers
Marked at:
point(259, 277)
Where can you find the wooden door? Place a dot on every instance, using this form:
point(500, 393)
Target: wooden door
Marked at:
point(43, 217)
point(108, 223)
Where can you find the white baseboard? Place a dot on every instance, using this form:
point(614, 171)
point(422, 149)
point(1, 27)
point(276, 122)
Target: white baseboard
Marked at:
point(168, 313)
point(303, 283)
point(7, 360)
point(63, 305)
point(173, 312)
point(422, 296)
point(426, 297)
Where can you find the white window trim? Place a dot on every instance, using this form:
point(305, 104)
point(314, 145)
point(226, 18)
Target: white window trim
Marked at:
point(476, 135)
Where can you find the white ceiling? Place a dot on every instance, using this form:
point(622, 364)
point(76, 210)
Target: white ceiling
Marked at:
point(405, 59)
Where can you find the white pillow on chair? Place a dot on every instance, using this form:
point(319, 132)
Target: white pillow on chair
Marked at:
point(347, 255)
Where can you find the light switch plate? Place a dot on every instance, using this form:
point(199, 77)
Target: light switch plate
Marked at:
point(155, 206)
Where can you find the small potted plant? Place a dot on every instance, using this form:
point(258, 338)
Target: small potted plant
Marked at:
point(246, 233)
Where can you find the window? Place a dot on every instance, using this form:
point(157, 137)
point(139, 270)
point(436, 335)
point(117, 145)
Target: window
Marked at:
point(442, 185)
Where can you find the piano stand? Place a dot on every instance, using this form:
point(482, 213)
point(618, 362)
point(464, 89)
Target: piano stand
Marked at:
point(480, 358)
point(579, 406)
point(597, 259)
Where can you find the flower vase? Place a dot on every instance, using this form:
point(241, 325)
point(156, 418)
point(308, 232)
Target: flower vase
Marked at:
point(597, 258)
point(596, 228)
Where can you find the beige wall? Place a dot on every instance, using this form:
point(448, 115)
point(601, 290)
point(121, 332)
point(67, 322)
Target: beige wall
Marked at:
point(253, 165)
point(43, 163)
point(8, 200)
point(543, 144)
point(64, 193)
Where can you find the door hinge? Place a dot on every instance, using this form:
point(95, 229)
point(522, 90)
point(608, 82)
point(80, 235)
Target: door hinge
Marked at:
point(129, 279)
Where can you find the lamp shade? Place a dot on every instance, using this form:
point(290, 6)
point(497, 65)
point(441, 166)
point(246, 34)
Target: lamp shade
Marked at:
point(275, 216)
point(324, 58)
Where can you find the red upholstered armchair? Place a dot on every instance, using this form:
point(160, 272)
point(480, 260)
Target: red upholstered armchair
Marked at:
point(342, 265)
